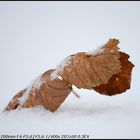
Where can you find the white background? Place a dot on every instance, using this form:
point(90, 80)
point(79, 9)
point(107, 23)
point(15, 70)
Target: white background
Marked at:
point(36, 36)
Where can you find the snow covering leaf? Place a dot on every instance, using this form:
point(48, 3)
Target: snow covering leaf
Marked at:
point(50, 94)
point(88, 70)
point(119, 82)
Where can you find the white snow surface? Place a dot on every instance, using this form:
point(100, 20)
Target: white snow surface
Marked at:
point(36, 36)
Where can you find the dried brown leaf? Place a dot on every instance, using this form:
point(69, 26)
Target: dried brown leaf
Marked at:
point(51, 94)
point(86, 70)
point(107, 71)
point(119, 82)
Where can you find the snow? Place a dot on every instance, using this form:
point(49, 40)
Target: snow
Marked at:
point(35, 84)
point(35, 37)
point(93, 115)
point(60, 67)
point(99, 50)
